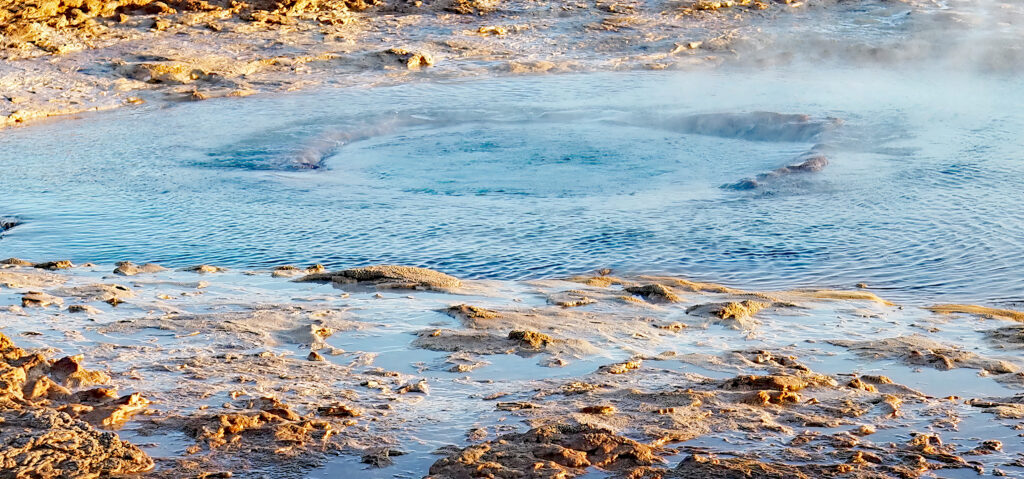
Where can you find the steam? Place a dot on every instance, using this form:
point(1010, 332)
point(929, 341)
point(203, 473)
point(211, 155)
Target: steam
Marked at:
point(983, 36)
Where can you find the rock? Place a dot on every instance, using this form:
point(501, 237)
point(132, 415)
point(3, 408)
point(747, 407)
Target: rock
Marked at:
point(465, 311)
point(602, 281)
point(765, 398)
point(735, 314)
point(865, 430)
point(68, 371)
point(37, 441)
point(773, 382)
point(44, 443)
point(570, 299)
point(390, 277)
point(7, 223)
point(116, 412)
point(339, 410)
point(699, 466)
point(655, 292)
point(810, 162)
point(420, 386)
point(175, 73)
point(381, 457)
point(603, 410)
point(36, 299)
point(83, 308)
point(514, 405)
point(621, 368)
point(411, 60)
point(857, 383)
point(315, 356)
point(45, 388)
point(470, 7)
point(55, 265)
point(108, 293)
point(17, 262)
point(204, 269)
point(127, 268)
point(532, 339)
point(555, 451)
point(289, 271)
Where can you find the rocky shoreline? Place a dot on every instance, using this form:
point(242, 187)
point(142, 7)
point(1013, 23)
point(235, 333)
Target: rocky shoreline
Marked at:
point(68, 57)
point(205, 372)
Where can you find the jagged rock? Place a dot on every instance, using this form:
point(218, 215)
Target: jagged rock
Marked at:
point(43, 443)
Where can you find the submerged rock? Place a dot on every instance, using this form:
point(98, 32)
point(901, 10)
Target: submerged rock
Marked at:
point(811, 162)
point(7, 223)
point(390, 277)
point(756, 126)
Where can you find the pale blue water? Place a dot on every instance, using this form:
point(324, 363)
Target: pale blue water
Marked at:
point(547, 176)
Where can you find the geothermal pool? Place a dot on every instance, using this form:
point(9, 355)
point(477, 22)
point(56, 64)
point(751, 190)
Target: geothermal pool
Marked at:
point(734, 267)
point(519, 178)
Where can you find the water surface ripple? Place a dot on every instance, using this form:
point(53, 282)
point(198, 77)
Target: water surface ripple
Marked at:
point(546, 176)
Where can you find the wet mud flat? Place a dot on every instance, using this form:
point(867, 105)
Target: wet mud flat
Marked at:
point(303, 371)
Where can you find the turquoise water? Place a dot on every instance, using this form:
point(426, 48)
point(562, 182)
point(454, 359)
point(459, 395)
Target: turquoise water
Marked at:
point(545, 176)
